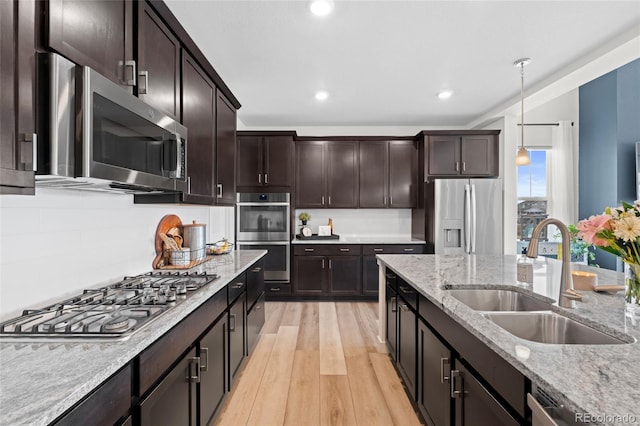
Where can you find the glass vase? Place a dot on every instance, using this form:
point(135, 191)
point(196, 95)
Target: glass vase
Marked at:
point(632, 290)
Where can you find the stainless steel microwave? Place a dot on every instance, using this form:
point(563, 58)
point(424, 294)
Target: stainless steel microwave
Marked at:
point(96, 135)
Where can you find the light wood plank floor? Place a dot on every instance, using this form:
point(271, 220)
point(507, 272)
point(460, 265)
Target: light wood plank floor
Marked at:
point(318, 363)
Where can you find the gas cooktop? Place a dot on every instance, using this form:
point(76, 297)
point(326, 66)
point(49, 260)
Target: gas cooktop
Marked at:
point(115, 311)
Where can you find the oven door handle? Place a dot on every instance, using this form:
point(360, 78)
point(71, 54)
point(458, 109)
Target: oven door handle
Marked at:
point(262, 243)
point(284, 203)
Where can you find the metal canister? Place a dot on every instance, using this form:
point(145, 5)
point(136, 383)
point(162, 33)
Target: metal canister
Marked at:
point(195, 237)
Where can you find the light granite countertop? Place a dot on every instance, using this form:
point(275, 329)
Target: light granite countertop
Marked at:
point(41, 380)
point(601, 380)
point(364, 239)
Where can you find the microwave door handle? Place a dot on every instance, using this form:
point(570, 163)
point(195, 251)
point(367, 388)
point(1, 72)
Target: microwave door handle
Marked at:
point(178, 160)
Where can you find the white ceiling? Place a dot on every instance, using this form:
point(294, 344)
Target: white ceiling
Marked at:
point(383, 62)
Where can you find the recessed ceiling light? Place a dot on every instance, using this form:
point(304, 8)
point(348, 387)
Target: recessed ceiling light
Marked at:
point(322, 95)
point(321, 7)
point(445, 94)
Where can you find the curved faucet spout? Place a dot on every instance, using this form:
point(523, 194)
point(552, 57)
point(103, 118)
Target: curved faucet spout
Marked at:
point(566, 282)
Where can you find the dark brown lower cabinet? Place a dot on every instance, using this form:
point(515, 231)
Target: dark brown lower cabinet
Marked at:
point(474, 404)
point(236, 336)
point(308, 275)
point(434, 371)
point(392, 322)
point(213, 378)
point(255, 321)
point(327, 275)
point(370, 278)
point(173, 401)
point(407, 345)
point(370, 273)
point(107, 405)
point(344, 275)
point(455, 378)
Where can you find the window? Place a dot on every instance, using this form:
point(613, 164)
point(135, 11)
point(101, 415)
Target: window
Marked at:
point(532, 194)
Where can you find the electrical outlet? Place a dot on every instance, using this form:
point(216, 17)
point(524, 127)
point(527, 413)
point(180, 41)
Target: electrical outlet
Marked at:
point(525, 273)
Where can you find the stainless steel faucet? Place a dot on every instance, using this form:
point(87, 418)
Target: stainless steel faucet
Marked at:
point(566, 282)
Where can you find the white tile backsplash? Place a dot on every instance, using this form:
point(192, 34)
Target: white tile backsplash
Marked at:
point(361, 222)
point(60, 242)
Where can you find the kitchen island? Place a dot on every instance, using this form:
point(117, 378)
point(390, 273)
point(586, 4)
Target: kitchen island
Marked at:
point(41, 380)
point(597, 382)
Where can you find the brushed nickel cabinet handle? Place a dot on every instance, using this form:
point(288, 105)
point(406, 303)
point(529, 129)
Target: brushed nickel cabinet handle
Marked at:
point(194, 365)
point(408, 249)
point(309, 250)
point(266, 179)
point(259, 177)
point(143, 90)
point(378, 250)
point(274, 289)
point(130, 64)
point(454, 392)
point(443, 378)
point(204, 355)
point(345, 250)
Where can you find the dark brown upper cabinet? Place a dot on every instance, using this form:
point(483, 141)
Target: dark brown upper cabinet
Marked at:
point(327, 174)
point(225, 163)
point(98, 34)
point(462, 153)
point(388, 174)
point(158, 62)
point(265, 161)
point(17, 91)
point(199, 116)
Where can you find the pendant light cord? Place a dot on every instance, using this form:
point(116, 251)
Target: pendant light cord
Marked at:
point(522, 104)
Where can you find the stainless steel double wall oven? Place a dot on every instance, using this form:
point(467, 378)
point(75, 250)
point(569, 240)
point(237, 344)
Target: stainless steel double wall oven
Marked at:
point(263, 223)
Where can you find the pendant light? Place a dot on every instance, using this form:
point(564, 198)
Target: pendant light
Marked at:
point(522, 158)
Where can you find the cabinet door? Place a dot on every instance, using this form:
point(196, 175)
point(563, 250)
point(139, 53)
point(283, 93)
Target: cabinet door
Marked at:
point(370, 279)
point(374, 176)
point(407, 346)
point(255, 282)
point(158, 62)
point(213, 369)
point(403, 176)
point(392, 323)
point(173, 401)
point(342, 174)
point(310, 174)
point(225, 151)
point(98, 34)
point(17, 91)
point(478, 155)
point(474, 405)
point(434, 370)
point(255, 321)
point(278, 161)
point(236, 337)
point(345, 277)
point(198, 115)
point(250, 165)
point(443, 155)
point(309, 275)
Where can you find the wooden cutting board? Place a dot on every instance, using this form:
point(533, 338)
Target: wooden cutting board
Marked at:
point(167, 222)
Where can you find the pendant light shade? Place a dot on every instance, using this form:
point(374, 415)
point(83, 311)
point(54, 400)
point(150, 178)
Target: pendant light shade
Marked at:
point(522, 158)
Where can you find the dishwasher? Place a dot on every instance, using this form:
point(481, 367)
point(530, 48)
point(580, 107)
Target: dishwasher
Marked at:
point(547, 411)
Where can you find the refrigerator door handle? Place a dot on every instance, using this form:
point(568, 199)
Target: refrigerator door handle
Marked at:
point(467, 219)
point(474, 218)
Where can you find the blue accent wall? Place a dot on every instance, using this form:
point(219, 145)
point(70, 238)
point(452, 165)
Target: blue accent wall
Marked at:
point(609, 109)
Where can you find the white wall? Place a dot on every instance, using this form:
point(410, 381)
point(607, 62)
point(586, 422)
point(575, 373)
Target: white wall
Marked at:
point(60, 242)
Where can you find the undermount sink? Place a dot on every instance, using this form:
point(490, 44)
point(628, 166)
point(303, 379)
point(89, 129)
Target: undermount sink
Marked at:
point(499, 300)
point(549, 327)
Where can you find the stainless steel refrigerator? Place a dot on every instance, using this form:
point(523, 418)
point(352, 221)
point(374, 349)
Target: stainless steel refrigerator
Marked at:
point(466, 215)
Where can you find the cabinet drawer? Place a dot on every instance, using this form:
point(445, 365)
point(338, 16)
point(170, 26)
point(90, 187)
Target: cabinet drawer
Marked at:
point(408, 293)
point(372, 249)
point(274, 290)
point(255, 321)
point(236, 287)
point(328, 250)
point(105, 406)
